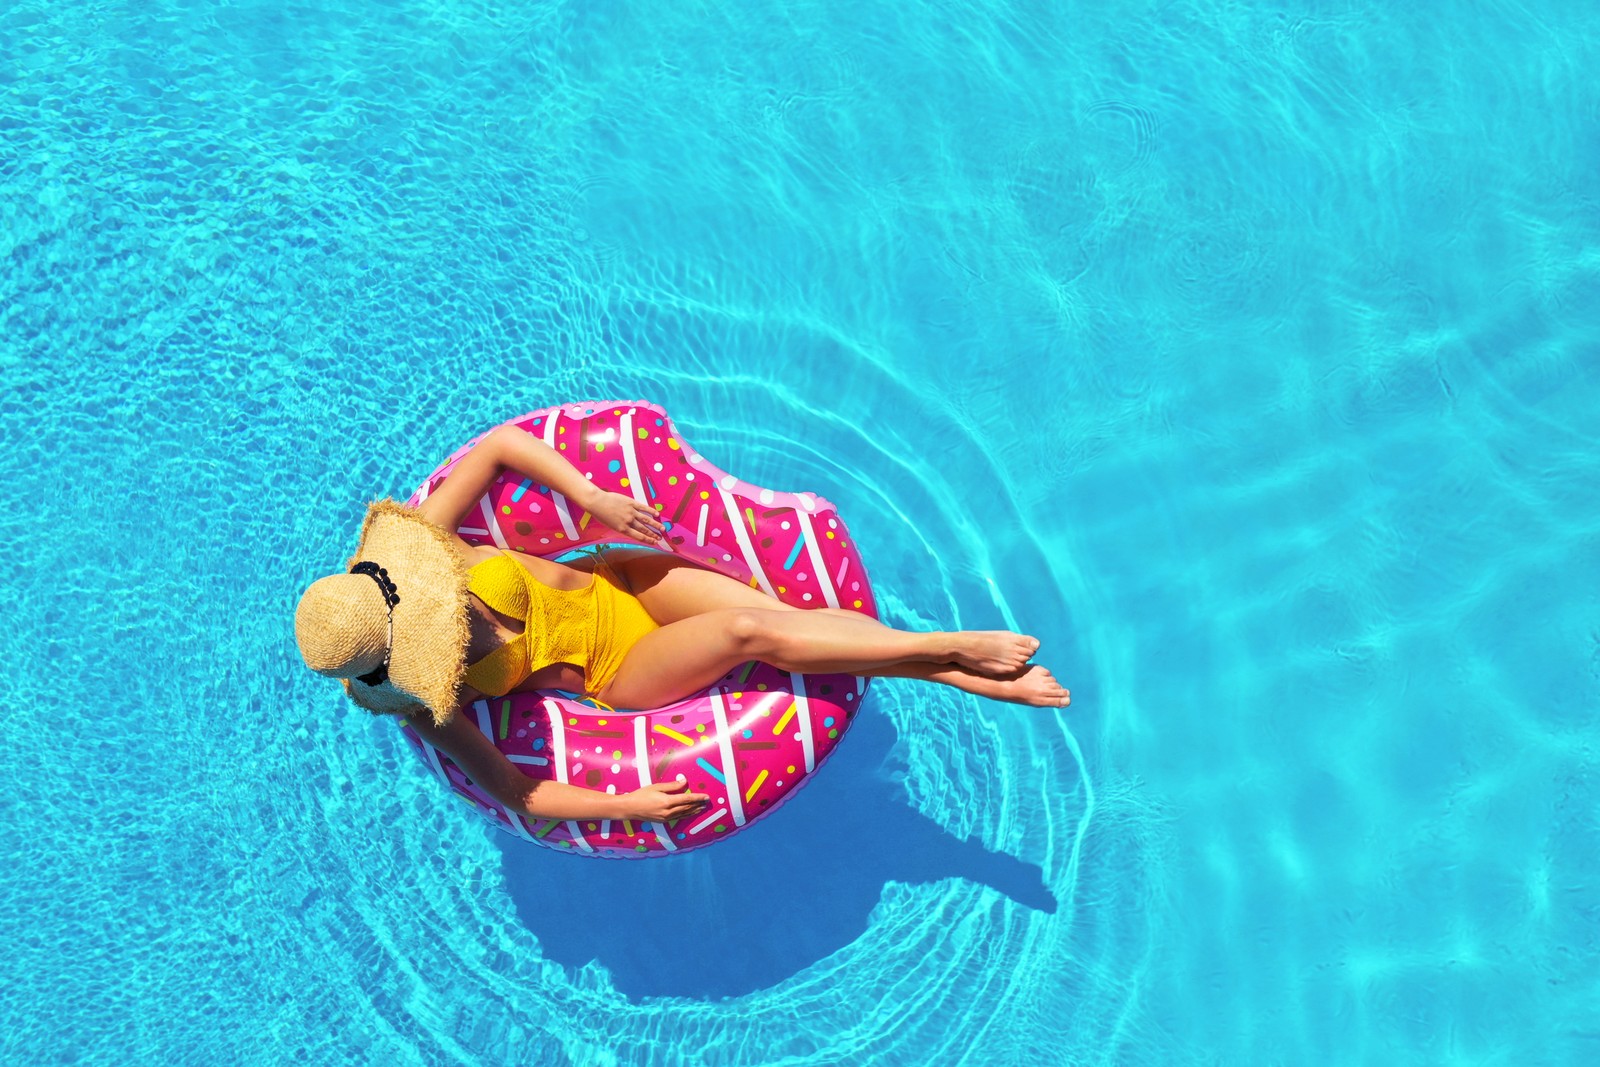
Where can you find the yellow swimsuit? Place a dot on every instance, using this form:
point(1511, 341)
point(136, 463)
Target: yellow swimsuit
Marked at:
point(592, 628)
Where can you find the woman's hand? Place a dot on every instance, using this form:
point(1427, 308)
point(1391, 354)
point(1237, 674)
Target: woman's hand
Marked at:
point(626, 516)
point(662, 802)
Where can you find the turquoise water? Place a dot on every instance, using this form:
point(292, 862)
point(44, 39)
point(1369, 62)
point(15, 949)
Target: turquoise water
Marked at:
point(1246, 355)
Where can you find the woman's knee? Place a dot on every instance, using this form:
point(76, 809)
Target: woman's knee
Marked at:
point(750, 631)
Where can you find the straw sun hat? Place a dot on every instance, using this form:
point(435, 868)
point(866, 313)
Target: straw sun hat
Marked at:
point(395, 627)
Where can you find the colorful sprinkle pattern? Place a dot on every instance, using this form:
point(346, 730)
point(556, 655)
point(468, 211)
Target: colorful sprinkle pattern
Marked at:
point(750, 740)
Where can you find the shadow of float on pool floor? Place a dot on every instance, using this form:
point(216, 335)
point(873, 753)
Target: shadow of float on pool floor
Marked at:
point(757, 908)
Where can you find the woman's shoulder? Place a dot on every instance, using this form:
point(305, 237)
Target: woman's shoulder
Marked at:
point(481, 554)
point(476, 554)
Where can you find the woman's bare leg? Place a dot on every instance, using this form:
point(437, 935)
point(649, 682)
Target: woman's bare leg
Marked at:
point(685, 656)
point(672, 590)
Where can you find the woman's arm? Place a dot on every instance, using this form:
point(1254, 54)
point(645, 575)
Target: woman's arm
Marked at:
point(509, 446)
point(489, 769)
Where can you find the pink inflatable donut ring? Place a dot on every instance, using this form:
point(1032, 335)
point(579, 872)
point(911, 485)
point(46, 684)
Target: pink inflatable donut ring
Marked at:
point(750, 740)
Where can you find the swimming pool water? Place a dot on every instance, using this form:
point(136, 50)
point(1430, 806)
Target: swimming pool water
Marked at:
point(1245, 354)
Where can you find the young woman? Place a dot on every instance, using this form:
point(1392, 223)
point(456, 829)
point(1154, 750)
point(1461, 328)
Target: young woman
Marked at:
point(423, 620)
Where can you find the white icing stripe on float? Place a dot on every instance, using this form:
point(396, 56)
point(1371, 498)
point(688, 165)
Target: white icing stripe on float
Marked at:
point(558, 753)
point(482, 709)
point(564, 515)
point(745, 546)
point(518, 825)
point(700, 531)
point(438, 768)
point(486, 509)
point(629, 457)
point(560, 501)
point(729, 767)
point(708, 820)
point(815, 555)
point(641, 757)
point(427, 487)
point(803, 715)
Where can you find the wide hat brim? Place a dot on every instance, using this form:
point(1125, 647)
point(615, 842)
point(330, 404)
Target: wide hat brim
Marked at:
point(427, 659)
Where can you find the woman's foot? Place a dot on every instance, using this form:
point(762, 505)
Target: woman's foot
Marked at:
point(992, 652)
point(1033, 686)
